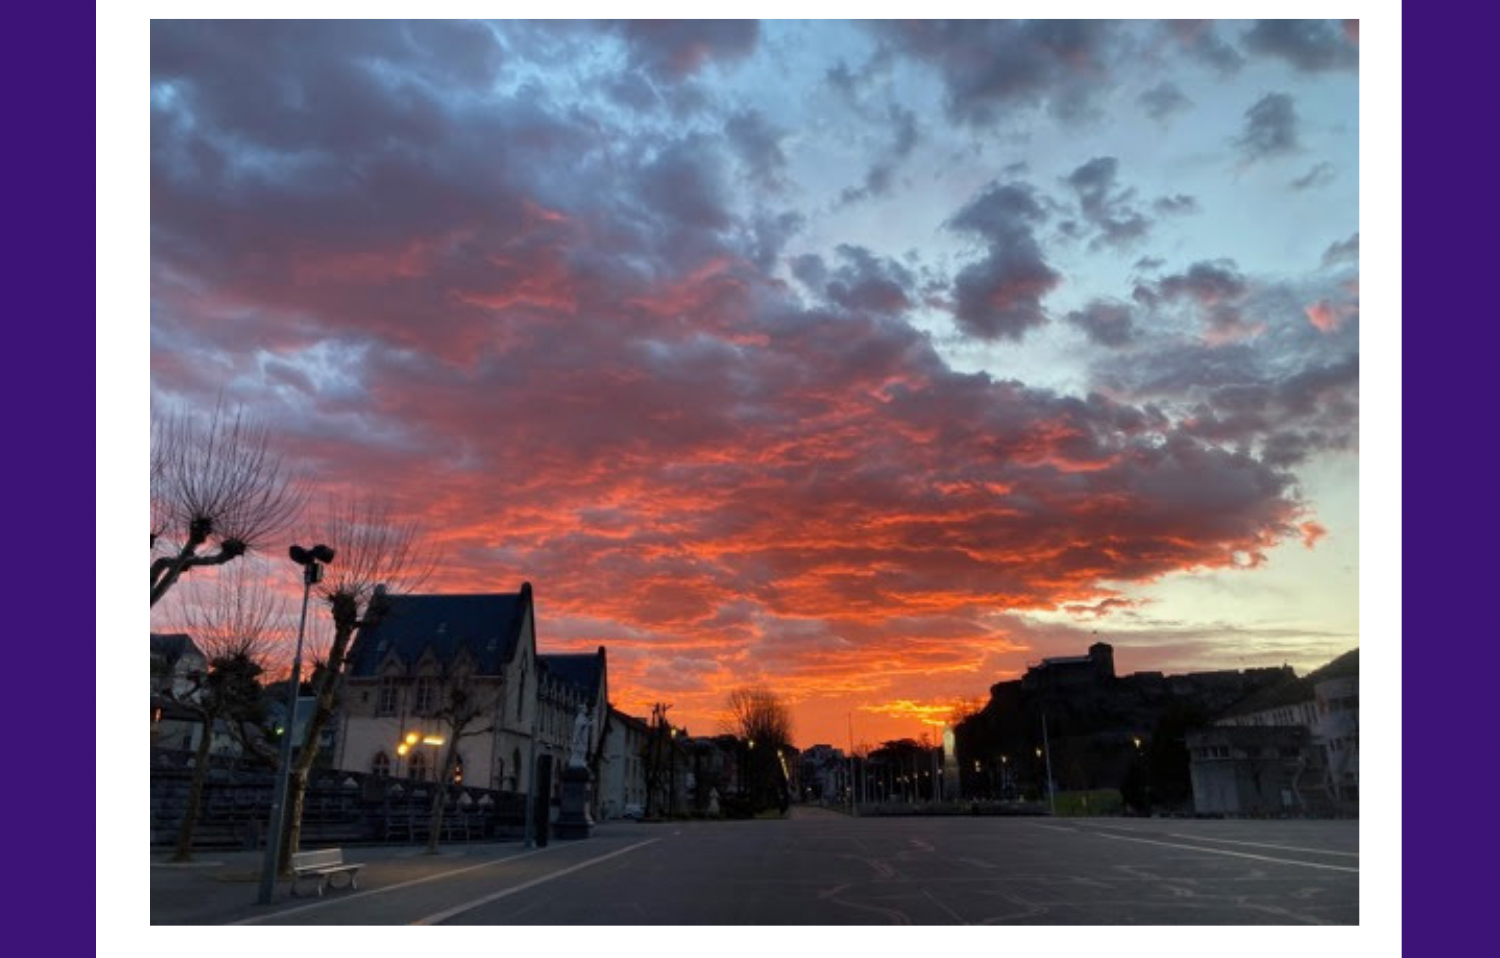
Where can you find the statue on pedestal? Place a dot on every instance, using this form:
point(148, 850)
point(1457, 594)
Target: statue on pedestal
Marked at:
point(576, 820)
point(578, 754)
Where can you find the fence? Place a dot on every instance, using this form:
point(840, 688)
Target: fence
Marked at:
point(341, 808)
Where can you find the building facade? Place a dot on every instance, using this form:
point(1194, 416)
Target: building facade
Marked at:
point(433, 660)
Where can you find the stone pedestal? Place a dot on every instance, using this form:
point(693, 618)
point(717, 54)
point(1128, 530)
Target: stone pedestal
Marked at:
point(574, 820)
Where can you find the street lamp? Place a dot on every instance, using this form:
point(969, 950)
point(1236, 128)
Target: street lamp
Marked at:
point(312, 562)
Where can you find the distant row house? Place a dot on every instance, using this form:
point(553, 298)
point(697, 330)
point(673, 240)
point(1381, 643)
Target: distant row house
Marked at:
point(1295, 756)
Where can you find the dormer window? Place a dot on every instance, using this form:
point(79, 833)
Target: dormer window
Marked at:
point(390, 696)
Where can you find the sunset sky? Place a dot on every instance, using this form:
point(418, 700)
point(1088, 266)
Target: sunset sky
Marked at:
point(868, 362)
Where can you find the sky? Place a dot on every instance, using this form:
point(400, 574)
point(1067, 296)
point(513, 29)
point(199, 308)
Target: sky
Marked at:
point(867, 362)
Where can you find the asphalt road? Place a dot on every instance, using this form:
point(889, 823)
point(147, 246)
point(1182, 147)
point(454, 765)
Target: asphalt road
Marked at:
point(821, 868)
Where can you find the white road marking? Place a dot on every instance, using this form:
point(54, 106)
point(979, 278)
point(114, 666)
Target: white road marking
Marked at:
point(1225, 851)
point(1285, 848)
point(443, 916)
point(1057, 828)
point(257, 919)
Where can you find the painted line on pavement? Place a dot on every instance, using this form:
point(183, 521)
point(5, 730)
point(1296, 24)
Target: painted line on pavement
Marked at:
point(257, 919)
point(478, 902)
point(1225, 851)
point(1285, 848)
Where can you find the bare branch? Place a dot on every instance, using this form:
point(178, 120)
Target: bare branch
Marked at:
point(241, 616)
point(759, 715)
point(214, 483)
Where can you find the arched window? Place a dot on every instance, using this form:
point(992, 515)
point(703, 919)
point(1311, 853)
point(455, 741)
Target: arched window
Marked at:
point(381, 767)
point(416, 768)
point(498, 784)
point(515, 763)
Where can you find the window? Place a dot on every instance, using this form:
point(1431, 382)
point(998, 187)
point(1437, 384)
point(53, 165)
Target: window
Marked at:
point(426, 698)
point(381, 767)
point(390, 696)
point(416, 769)
point(458, 770)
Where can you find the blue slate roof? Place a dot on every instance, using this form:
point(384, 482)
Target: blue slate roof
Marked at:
point(489, 626)
point(583, 672)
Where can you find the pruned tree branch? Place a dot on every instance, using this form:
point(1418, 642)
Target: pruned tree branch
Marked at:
point(216, 483)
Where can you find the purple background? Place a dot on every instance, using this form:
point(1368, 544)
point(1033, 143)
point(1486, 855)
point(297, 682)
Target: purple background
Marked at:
point(47, 165)
point(1449, 485)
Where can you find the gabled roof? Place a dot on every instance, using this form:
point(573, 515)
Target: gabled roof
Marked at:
point(583, 672)
point(174, 645)
point(489, 626)
point(639, 724)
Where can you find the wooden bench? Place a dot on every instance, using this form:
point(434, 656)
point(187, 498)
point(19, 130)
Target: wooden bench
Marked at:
point(322, 866)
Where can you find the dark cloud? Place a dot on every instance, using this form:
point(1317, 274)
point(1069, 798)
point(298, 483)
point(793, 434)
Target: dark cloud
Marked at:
point(993, 67)
point(1164, 101)
point(867, 283)
point(632, 90)
point(1216, 290)
point(1270, 128)
point(1320, 175)
point(809, 268)
point(1201, 41)
point(758, 145)
point(1000, 296)
point(1109, 210)
point(675, 49)
point(881, 175)
point(1148, 264)
point(1344, 251)
point(684, 185)
point(1309, 45)
point(769, 233)
point(1175, 205)
point(1105, 322)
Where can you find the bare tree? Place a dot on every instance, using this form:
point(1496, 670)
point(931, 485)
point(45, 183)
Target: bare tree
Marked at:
point(466, 703)
point(217, 491)
point(759, 715)
point(376, 556)
point(761, 718)
point(234, 628)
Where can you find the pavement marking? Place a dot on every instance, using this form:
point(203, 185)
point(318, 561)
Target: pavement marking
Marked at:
point(951, 913)
point(1057, 828)
point(257, 919)
point(476, 903)
point(1225, 851)
point(1286, 848)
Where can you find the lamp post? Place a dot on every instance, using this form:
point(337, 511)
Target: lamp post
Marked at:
point(312, 562)
point(528, 827)
point(1047, 752)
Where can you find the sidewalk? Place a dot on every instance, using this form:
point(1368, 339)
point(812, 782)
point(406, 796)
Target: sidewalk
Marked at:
point(220, 887)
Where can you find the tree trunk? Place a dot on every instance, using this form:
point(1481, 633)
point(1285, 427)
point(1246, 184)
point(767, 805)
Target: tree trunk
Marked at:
point(291, 832)
point(184, 852)
point(440, 797)
point(302, 764)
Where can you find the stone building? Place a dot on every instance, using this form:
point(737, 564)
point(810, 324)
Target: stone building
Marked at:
point(405, 672)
